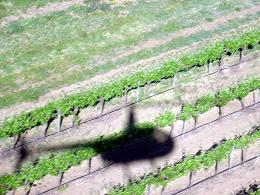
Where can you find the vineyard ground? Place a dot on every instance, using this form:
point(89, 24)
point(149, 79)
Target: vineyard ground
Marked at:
point(191, 143)
point(81, 49)
point(14, 10)
point(237, 69)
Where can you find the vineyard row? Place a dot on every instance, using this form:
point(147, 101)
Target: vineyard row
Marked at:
point(58, 163)
point(105, 92)
point(205, 159)
point(47, 134)
point(174, 133)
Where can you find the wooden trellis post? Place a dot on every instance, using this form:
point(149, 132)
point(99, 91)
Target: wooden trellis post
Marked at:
point(147, 189)
point(59, 120)
point(172, 130)
point(220, 61)
point(242, 155)
point(126, 93)
point(183, 127)
point(47, 124)
point(102, 101)
point(61, 178)
point(219, 112)
point(240, 54)
point(190, 178)
point(148, 89)
point(242, 103)
point(17, 140)
point(174, 79)
point(89, 165)
point(209, 67)
point(138, 91)
point(195, 122)
point(254, 97)
point(216, 167)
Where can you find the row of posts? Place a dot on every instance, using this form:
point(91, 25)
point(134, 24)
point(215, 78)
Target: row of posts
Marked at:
point(138, 93)
point(192, 175)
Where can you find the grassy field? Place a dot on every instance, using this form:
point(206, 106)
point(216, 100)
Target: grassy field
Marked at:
point(49, 51)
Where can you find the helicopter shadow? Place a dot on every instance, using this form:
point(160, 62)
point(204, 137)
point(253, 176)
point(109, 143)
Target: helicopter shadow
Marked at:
point(136, 142)
point(153, 145)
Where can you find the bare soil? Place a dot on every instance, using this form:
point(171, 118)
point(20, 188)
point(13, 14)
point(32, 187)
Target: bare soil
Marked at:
point(228, 182)
point(52, 7)
point(33, 11)
point(190, 144)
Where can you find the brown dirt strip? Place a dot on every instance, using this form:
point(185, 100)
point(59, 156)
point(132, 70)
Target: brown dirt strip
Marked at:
point(205, 26)
point(33, 11)
point(191, 143)
point(50, 7)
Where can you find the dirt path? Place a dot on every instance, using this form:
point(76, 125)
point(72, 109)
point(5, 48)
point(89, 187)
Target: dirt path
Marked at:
point(189, 144)
point(50, 7)
point(33, 11)
point(228, 183)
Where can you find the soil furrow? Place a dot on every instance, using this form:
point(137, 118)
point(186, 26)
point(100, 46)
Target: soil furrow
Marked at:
point(33, 11)
point(228, 182)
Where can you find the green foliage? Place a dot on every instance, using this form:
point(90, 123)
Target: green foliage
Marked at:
point(190, 163)
point(14, 28)
point(205, 103)
point(257, 192)
point(39, 116)
point(243, 89)
point(208, 54)
point(248, 38)
point(165, 119)
point(188, 111)
point(224, 96)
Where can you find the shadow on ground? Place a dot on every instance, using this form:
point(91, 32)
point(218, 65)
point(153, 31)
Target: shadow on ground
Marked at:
point(136, 142)
point(155, 144)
